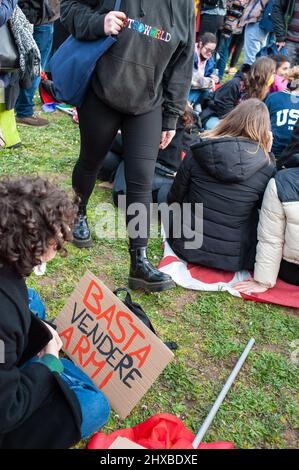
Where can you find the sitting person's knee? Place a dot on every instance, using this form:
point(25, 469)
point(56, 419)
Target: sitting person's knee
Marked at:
point(101, 409)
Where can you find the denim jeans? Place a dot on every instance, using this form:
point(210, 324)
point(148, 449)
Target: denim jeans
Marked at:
point(197, 96)
point(255, 39)
point(36, 305)
point(211, 123)
point(43, 36)
point(94, 405)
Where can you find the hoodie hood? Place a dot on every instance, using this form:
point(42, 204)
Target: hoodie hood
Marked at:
point(242, 70)
point(229, 159)
point(170, 5)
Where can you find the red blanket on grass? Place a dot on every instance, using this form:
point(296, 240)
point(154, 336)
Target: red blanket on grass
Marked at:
point(207, 279)
point(161, 431)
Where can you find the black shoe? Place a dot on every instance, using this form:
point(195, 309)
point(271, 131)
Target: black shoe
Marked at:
point(143, 275)
point(81, 233)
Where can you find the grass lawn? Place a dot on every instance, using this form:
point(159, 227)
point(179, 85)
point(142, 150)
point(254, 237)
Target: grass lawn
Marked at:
point(212, 329)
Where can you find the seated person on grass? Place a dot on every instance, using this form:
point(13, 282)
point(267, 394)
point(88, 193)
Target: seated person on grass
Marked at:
point(281, 75)
point(250, 82)
point(45, 402)
point(277, 254)
point(226, 171)
point(284, 111)
point(203, 77)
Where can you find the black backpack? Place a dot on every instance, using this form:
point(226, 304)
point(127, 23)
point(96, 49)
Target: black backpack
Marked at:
point(140, 313)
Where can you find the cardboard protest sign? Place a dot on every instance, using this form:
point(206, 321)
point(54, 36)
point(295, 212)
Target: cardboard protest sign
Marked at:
point(124, 443)
point(113, 347)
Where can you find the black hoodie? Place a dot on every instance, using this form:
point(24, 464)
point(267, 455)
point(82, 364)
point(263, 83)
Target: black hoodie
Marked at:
point(226, 97)
point(228, 176)
point(151, 63)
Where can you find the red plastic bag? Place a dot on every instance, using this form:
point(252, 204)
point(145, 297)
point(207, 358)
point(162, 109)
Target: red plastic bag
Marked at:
point(161, 431)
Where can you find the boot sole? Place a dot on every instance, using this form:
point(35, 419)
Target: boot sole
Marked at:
point(83, 243)
point(135, 284)
point(32, 125)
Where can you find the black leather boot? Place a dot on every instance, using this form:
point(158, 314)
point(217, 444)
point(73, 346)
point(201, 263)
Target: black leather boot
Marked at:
point(81, 233)
point(143, 275)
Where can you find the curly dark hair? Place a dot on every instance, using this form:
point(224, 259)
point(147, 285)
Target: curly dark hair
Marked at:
point(33, 214)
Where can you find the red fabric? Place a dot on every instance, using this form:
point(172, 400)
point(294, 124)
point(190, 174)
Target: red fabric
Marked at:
point(209, 275)
point(282, 294)
point(44, 96)
point(161, 431)
point(167, 260)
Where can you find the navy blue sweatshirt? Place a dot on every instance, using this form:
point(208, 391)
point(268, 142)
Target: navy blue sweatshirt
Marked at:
point(284, 112)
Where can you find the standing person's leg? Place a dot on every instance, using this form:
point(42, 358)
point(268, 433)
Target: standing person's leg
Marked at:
point(43, 36)
point(8, 124)
point(223, 51)
point(9, 128)
point(141, 139)
point(237, 44)
point(255, 39)
point(98, 126)
point(207, 24)
point(210, 24)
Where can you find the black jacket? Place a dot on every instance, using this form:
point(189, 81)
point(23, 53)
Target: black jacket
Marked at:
point(140, 72)
point(171, 157)
point(228, 176)
point(225, 98)
point(38, 409)
point(40, 11)
point(290, 156)
point(211, 4)
point(282, 14)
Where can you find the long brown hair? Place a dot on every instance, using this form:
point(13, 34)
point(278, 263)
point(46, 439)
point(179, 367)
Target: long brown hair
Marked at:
point(249, 119)
point(256, 80)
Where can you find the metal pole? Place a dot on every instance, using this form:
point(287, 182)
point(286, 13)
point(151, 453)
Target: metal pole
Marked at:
point(222, 395)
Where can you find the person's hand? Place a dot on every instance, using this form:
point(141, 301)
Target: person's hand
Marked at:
point(54, 346)
point(213, 84)
point(280, 45)
point(215, 78)
point(114, 21)
point(250, 287)
point(166, 138)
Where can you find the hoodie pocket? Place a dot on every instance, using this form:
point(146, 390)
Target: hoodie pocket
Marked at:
point(126, 85)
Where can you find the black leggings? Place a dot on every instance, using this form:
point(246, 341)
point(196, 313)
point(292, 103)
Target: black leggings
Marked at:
point(210, 24)
point(141, 139)
point(289, 272)
point(237, 46)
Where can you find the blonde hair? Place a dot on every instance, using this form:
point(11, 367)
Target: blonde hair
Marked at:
point(293, 78)
point(250, 119)
point(256, 80)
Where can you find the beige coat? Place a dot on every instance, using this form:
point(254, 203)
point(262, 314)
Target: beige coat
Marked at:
point(278, 235)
